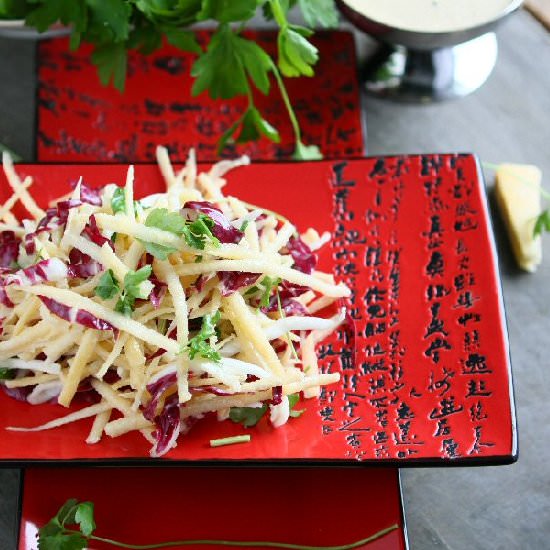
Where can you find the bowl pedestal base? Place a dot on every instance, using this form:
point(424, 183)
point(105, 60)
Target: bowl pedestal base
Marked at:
point(424, 76)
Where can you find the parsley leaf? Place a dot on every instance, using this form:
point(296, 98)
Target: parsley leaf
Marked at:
point(49, 12)
point(224, 67)
point(306, 152)
point(542, 223)
point(13, 9)
point(296, 54)
point(200, 344)
point(112, 17)
point(161, 218)
point(111, 61)
point(108, 286)
point(247, 416)
point(118, 201)
point(199, 233)
point(56, 535)
point(184, 40)
point(133, 280)
point(319, 11)
point(268, 284)
point(226, 11)
point(133, 289)
point(125, 305)
point(159, 251)
point(7, 374)
point(292, 401)
point(84, 517)
point(253, 126)
point(62, 540)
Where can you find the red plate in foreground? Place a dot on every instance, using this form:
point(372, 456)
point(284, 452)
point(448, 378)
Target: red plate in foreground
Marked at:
point(426, 379)
point(308, 506)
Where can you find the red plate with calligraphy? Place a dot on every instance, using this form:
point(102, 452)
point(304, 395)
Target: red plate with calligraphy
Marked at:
point(424, 373)
point(311, 508)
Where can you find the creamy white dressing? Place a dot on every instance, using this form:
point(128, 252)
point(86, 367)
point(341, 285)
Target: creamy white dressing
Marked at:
point(430, 15)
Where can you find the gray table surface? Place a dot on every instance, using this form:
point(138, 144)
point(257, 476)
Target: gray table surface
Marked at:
point(508, 120)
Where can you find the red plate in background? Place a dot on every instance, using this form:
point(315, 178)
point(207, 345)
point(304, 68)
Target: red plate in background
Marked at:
point(426, 379)
point(295, 505)
point(78, 119)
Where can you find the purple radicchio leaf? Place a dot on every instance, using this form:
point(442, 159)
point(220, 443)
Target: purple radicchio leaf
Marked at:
point(172, 335)
point(222, 230)
point(55, 217)
point(277, 395)
point(92, 232)
point(81, 265)
point(90, 195)
point(157, 389)
point(167, 424)
point(9, 249)
point(210, 389)
point(202, 280)
point(158, 292)
point(4, 298)
point(44, 271)
point(304, 259)
point(75, 315)
point(231, 281)
point(287, 293)
point(20, 394)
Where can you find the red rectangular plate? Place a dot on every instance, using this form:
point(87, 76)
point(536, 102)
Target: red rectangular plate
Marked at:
point(425, 378)
point(293, 505)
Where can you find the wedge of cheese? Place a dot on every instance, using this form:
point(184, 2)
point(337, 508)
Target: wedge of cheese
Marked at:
point(518, 197)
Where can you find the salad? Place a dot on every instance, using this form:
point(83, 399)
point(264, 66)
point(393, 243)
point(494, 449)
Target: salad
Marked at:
point(159, 311)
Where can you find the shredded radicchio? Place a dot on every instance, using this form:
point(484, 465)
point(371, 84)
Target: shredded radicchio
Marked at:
point(172, 335)
point(81, 265)
point(20, 394)
point(75, 315)
point(277, 395)
point(287, 293)
point(231, 281)
point(90, 195)
point(156, 389)
point(92, 232)
point(304, 259)
point(167, 426)
point(9, 249)
point(41, 272)
point(210, 389)
point(222, 230)
point(4, 298)
point(201, 281)
point(158, 292)
point(55, 217)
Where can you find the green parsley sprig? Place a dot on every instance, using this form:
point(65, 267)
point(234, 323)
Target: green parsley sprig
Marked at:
point(197, 234)
point(250, 416)
point(73, 527)
point(200, 344)
point(231, 65)
point(133, 288)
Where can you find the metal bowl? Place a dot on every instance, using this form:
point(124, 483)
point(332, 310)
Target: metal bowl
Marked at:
point(428, 66)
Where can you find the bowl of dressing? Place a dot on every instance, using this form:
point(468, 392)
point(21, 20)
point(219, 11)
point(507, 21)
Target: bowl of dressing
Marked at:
point(430, 49)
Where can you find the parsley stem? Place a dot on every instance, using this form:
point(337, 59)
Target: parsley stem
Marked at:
point(247, 544)
point(288, 104)
point(278, 13)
